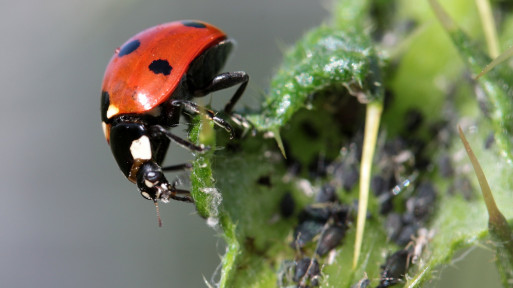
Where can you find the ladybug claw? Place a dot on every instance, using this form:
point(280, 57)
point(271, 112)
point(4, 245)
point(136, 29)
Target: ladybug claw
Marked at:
point(227, 127)
point(205, 149)
point(243, 123)
point(176, 103)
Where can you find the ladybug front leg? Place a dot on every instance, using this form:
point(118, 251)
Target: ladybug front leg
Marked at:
point(179, 194)
point(178, 167)
point(193, 108)
point(159, 131)
point(223, 81)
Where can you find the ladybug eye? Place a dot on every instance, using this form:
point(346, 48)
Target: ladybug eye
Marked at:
point(153, 177)
point(150, 180)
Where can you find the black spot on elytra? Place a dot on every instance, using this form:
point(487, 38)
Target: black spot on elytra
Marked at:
point(160, 66)
point(105, 105)
point(194, 24)
point(129, 47)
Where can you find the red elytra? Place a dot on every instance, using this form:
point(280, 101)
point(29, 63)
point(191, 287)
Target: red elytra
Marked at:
point(135, 88)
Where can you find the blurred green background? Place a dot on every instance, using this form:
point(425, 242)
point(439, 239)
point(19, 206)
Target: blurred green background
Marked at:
point(69, 218)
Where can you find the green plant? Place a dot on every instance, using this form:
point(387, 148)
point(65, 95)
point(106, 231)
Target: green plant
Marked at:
point(330, 86)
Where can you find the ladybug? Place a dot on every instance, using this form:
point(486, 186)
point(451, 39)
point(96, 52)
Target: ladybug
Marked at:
point(149, 83)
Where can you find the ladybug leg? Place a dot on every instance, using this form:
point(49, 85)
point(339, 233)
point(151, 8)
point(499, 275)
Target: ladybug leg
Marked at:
point(181, 195)
point(223, 81)
point(177, 194)
point(179, 167)
point(158, 130)
point(193, 108)
point(244, 123)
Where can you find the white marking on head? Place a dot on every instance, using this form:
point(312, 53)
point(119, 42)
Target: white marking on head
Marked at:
point(159, 192)
point(149, 184)
point(112, 110)
point(141, 148)
point(145, 195)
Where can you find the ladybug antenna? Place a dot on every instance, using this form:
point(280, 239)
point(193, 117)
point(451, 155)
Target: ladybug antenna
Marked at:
point(158, 213)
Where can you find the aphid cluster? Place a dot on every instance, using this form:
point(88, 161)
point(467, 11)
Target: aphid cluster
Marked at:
point(321, 227)
point(394, 269)
point(405, 196)
point(326, 220)
point(406, 200)
point(402, 227)
point(304, 272)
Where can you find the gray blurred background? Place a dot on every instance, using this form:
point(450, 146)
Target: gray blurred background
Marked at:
point(68, 217)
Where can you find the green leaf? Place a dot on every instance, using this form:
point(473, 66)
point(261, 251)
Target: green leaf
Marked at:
point(325, 57)
point(500, 232)
point(496, 84)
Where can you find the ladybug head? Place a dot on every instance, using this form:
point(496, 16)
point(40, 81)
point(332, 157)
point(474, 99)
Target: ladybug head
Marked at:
point(152, 183)
point(138, 154)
